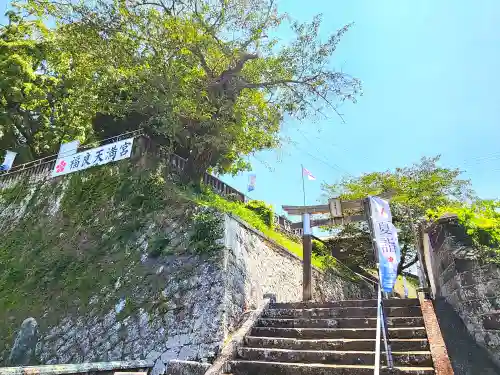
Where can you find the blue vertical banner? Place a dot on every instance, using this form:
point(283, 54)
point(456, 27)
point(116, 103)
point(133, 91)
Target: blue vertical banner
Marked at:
point(251, 182)
point(8, 160)
point(386, 237)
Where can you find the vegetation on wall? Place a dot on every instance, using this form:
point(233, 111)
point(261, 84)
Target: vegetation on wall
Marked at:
point(319, 248)
point(265, 211)
point(481, 219)
point(84, 235)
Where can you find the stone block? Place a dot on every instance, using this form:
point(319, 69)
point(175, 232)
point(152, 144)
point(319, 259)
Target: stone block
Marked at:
point(454, 299)
point(447, 274)
point(452, 285)
point(477, 307)
point(492, 321)
point(463, 265)
point(469, 293)
point(492, 288)
point(158, 368)
point(169, 355)
point(176, 367)
point(491, 338)
point(188, 352)
point(446, 261)
point(491, 271)
point(469, 278)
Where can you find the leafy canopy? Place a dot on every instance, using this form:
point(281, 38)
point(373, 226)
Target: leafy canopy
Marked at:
point(207, 77)
point(415, 190)
point(481, 219)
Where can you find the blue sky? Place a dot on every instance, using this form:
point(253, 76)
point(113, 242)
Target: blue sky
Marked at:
point(430, 71)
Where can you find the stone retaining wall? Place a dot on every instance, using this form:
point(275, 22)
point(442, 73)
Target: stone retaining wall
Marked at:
point(201, 301)
point(471, 287)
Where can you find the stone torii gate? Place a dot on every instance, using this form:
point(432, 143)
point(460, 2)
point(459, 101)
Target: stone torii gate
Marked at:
point(335, 208)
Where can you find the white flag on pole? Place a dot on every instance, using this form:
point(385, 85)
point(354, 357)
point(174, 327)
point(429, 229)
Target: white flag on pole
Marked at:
point(309, 175)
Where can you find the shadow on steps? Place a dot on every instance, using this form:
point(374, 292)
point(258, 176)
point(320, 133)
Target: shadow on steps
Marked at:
point(467, 357)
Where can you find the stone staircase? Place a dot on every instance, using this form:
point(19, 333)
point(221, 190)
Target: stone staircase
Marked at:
point(336, 338)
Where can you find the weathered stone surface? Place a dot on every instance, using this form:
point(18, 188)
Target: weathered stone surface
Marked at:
point(336, 333)
point(186, 368)
point(469, 286)
point(23, 350)
point(467, 357)
point(332, 357)
point(100, 368)
point(200, 301)
point(334, 344)
point(270, 368)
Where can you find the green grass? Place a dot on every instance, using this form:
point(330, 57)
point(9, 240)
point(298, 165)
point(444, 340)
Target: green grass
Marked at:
point(211, 199)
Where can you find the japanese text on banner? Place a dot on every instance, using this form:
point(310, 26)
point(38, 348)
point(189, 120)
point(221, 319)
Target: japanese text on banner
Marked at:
point(95, 156)
point(386, 238)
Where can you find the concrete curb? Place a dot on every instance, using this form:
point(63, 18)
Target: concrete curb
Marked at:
point(229, 351)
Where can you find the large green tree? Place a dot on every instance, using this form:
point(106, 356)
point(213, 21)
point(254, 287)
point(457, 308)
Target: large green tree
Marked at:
point(208, 76)
point(415, 190)
point(42, 101)
point(26, 105)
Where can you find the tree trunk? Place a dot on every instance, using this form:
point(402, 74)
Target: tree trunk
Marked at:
point(193, 172)
point(196, 166)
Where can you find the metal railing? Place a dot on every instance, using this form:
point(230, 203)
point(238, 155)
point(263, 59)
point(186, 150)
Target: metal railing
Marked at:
point(382, 329)
point(179, 164)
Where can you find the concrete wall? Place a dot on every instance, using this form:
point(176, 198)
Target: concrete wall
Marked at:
point(469, 286)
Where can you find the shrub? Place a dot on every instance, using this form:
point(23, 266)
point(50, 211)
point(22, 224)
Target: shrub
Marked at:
point(263, 210)
point(481, 220)
point(319, 248)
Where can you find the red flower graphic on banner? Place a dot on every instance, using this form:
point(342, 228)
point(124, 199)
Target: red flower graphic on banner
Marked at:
point(60, 167)
point(390, 259)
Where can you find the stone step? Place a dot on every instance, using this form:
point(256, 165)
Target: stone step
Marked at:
point(342, 312)
point(347, 303)
point(338, 323)
point(331, 357)
point(280, 368)
point(333, 344)
point(337, 333)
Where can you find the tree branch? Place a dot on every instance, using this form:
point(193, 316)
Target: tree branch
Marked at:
point(329, 103)
point(227, 74)
point(261, 85)
point(245, 44)
point(196, 51)
point(408, 265)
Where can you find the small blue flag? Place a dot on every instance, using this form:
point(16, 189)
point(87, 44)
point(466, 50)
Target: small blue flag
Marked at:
point(251, 182)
